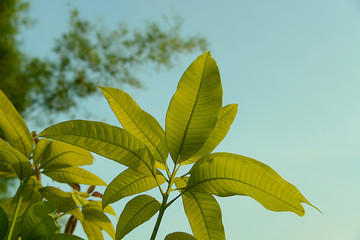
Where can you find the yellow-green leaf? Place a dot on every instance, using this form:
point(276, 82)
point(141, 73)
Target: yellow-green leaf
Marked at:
point(226, 174)
point(92, 231)
point(138, 122)
point(222, 127)
point(55, 154)
point(62, 200)
point(93, 213)
point(38, 222)
point(14, 128)
point(11, 156)
point(129, 182)
point(179, 236)
point(137, 211)
point(6, 170)
point(204, 215)
point(74, 175)
point(106, 140)
point(194, 109)
point(79, 200)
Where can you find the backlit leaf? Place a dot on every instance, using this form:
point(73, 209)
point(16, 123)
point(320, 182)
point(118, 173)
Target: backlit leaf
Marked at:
point(106, 140)
point(204, 215)
point(226, 174)
point(92, 231)
point(194, 109)
point(179, 236)
point(38, 221)
point(222, 127)
point(138, 122)
point(93, 213)
point(11, 156)
point(74, 175)
point(137, 211)
point(55, 154)
point(14, 128)
point(79, 200)
point(62, 200)
point(127, 183)
point(6, 170)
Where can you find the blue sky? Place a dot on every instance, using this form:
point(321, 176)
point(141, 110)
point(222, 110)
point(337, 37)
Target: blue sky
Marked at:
point(293, 68)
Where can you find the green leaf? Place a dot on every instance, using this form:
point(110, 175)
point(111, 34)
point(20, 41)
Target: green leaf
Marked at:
point(204, 215)
point(31, 195)
point(62, 200)
point(6, 170)
point(226, 174)
point(106, 140)
point(194, 109)
point(14, 128)
point(179, 236)
point(222, 127)
point(92, 231)
point(55, 154)
point(93, 213)
point(137, 211)
point(138, 122)
point(62, 236)
point(20, 164)
point(79, 200)
point(38, 221)
point(74, 175)
point(127, 183)
point(4, 224)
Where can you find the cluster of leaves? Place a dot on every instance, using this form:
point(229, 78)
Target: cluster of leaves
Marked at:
point(27, 212)
point(196, 122)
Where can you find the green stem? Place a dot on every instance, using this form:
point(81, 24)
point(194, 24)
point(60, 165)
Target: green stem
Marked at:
point(161, 214)
point(17, 209)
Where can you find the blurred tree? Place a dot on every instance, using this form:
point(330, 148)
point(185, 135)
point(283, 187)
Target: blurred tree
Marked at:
point(86, 55)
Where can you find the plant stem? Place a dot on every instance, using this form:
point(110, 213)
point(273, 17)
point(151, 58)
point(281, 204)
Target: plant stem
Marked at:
point(161, 214)
point(18, 204)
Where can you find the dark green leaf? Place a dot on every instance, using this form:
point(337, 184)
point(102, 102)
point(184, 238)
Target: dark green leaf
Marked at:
point(38, 221)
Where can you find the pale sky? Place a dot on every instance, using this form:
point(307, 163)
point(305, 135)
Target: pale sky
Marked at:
point(293, 68)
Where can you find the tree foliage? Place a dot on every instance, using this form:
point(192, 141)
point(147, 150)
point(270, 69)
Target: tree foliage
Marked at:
point(86, 55)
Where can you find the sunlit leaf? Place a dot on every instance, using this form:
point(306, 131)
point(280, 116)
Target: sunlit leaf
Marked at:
point(38, 221)
point(179, 236)
point(55, 154)
point(127, 183)
point(202, 211)
point(14, 128)
point(62, 200)
point(106, 140)
point(194, 109)
point(222, 127)
point(74, 175)
point(226, 174)
point(11, 156)
point(79, 200)
point(4, 223)
point(137, 211)
point(204, 215)
point(93, 213)
point(92, 231)
point(138, 122)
